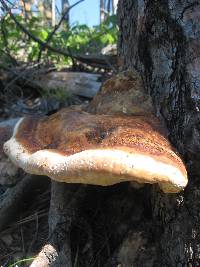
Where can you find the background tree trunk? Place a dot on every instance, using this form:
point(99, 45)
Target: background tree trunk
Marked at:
point(65, 6)
point(102, 11)
point(162, 40)
point(53, 13)
point(114, 6)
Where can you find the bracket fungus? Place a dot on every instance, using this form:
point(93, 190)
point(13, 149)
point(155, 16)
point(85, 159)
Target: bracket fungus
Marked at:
point(123, 93)
point(74, 146)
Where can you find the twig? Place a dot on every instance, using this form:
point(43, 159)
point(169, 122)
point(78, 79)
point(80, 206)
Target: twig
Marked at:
point(20, 75)
point(61, 20)
point(11, 58)
point(12, 199)
point(33, 37)
point(110, 65)
point(58, 11)
point(10, 3)
point(46, 45)
point(5, 41)
point(51, 34)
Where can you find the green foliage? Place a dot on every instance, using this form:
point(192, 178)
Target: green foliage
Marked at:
point(79, 39)
point(62, 95)
point(18, 263)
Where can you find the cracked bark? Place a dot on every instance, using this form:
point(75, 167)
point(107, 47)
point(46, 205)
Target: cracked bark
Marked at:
point(162, 40)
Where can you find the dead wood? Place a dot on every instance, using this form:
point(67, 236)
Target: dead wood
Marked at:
point(65, 199)
point(76, 83)
point(11, 202)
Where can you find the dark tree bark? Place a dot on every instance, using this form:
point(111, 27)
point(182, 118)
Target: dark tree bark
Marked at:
point(162, 40)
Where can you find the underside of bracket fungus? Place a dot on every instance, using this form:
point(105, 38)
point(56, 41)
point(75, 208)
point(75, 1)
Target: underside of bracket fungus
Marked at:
point(74, 146)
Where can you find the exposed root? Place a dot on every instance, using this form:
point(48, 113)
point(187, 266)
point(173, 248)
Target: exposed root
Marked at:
point(11, 201)
point(64, 202)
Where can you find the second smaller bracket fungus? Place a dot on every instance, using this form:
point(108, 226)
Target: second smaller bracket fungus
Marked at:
point(123, 93)
point(73, 146)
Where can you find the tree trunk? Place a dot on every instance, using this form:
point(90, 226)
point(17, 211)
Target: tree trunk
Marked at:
point(53, 13)
point(102, 11)
point(65, 6)
point(114, 6)
point(41, 8)
point(162, 40)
